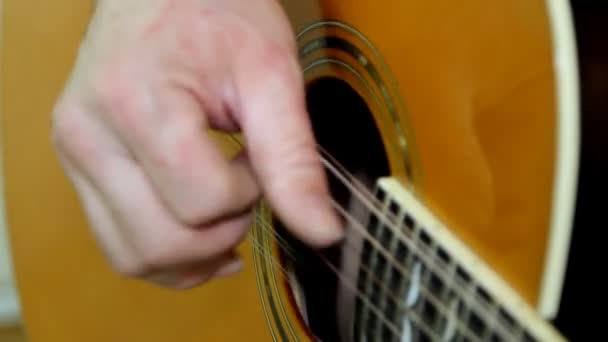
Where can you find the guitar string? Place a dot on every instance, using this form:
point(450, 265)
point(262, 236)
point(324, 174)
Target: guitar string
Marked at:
point(377, 311)
point(392, 296)
point(433, 264)
point(363, 194)
point(269, 257)
point(425, 292)
point(351, 182)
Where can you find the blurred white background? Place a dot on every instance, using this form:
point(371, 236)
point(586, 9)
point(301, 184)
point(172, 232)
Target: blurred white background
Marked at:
point(9, 306)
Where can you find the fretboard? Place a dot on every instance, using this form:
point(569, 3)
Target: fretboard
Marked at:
point(418, 283)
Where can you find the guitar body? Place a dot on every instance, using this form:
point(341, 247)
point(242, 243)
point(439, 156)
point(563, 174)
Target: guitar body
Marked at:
point(468, 110)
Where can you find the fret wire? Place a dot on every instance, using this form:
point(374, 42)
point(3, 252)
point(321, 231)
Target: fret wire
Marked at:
point(359, 308)
point(413, 260)
point(492, 321)
point(519, 332)
point(393, 273)
point(438, 318)
point(451, 272)
point(424, 302)
point(468, 312)
point(361, 311)
point(382, 270)
point(386, 272)
point(373, 323)
point(379, 226)
point(405, 284)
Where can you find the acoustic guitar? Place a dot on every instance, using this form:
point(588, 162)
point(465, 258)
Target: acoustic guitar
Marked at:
point(450, 132)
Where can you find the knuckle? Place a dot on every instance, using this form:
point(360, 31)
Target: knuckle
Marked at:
point(220, 186)
point(149, 255)
point(162, 252)
point(240, 227)
point(216, 197)
point(68, 134)
point(190, 214)
point(226, 30)
point(124, 263)
point(115, 91)
point(107, 84)
point(276, 62)
point(130, 268)
point(177, 147)
point(62, 128)
point(302, 161)
point(156, 258)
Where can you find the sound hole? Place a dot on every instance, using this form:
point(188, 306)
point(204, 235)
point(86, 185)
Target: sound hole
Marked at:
point(344, 126)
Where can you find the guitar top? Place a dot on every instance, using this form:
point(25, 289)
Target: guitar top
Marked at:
point(464, 148)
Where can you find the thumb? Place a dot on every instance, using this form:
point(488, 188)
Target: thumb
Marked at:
point(283, 150)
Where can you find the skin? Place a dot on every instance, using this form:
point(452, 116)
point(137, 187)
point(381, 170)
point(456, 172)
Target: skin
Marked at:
point(150, 78)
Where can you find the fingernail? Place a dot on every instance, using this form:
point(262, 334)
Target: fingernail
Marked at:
point(324, 221)
point(231, 268)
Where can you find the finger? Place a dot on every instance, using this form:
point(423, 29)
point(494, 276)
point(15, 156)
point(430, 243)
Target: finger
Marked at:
point(167, 135)
point(78, 141)
point(112, 243)
point(150, 235)
point(190, 276)
point(229, 269)
point(282, 148)
point(160, 240)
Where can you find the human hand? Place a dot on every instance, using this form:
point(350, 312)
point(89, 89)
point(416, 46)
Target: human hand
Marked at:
point(130, 131)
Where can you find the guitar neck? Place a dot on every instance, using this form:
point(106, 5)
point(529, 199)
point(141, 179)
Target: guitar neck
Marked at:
point(447, 291)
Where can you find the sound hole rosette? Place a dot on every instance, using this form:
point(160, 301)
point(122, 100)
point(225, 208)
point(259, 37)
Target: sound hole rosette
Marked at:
point(336, 49)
